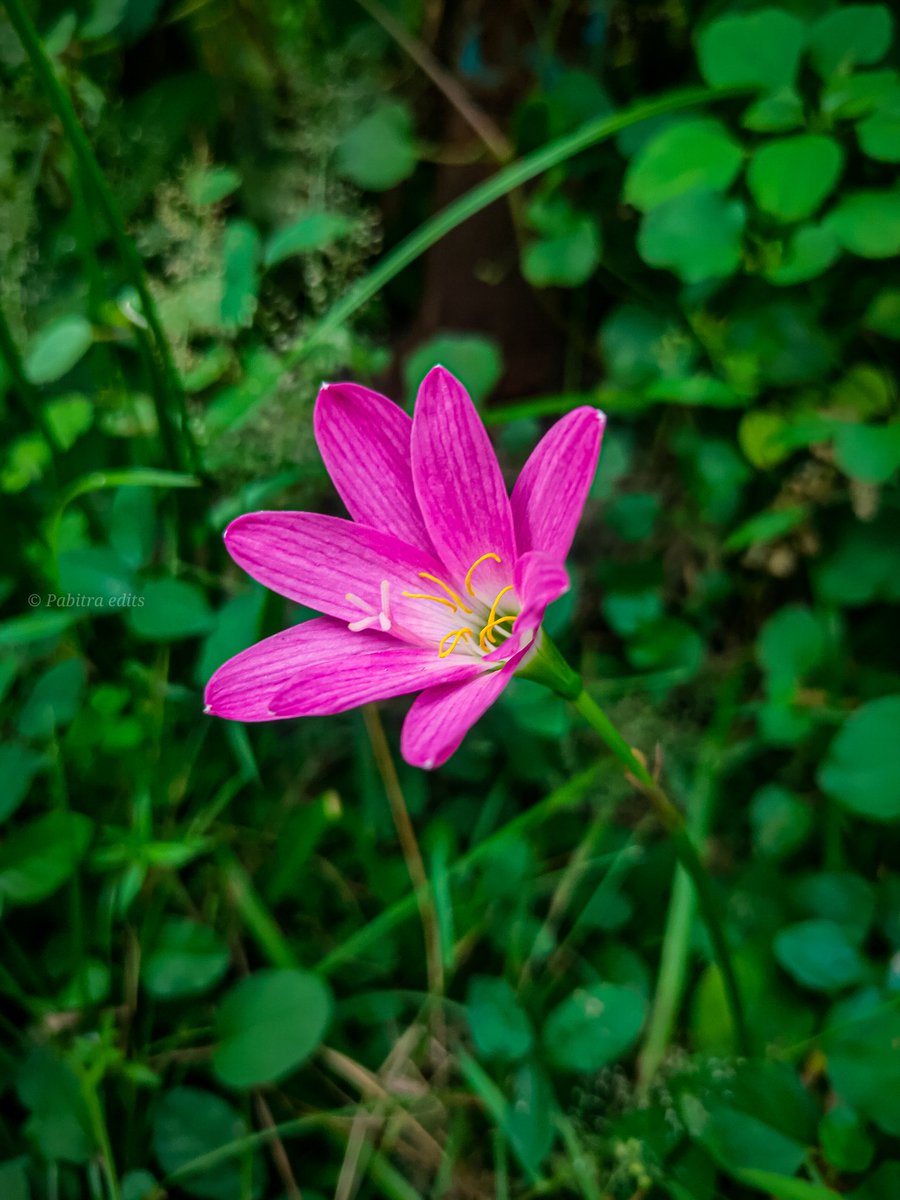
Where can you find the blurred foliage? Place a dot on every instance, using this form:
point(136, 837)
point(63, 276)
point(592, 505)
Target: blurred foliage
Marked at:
point(212, 968)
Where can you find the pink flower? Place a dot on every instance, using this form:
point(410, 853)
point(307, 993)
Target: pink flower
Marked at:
point(437, 585)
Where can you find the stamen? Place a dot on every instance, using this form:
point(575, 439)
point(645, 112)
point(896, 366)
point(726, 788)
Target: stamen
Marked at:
point(450, 592)
point(363, 623)
point(386, 598)
point(477, 562)
point(359, 603)
point(489, 631)
point(458, 635)
point(436, 599)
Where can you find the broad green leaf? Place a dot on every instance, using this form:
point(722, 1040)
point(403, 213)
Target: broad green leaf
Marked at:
point(858, 95)
point(861, 770)
point(883, 314)
point(139, 1185)
point(56, 349)
point(268, 1025)
point(189, 1123)
point(766, 526)
point(59, 1123)
point(698, 236)
point(781, 822)
point(69, 417)
point(170, 609)
point(761, 437)
point(18, 767)
point(474, 359)
point(235, 629)
point(187, 959)
point(757, 49)
point(54, 700)
point(862, 564)
point(593, 1027)
point(96, 578)
point(240, 282)
point(312, 231)
point(845, 1142)
point(870, 453)
point(379, 151)
point(777, 112)
point(783, 1187)
point(500, 1028)
point(863, 1064)
point(790, 178)
point(809, 252)
point(640, 345)
point(868, 223)
point(132, 525)
point(14, 1183)
point(693, 155)
point(850, 36)
point(841, 896)
point(790, 645)
point(818, 954)
point(568, 259)
point(38, 858)
point(210, 185)
point(879, 134)
point(882, 1184)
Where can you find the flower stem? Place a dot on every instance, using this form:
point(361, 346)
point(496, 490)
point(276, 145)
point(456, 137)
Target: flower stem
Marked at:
point(674, 824)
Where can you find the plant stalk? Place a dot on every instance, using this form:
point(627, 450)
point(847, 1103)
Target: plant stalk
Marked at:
point(674, 823)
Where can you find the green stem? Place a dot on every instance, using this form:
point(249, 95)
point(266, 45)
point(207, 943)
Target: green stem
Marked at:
point(499, 185)
point(674, 824)
point(174, 429)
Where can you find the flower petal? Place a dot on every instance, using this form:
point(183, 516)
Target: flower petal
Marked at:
point(364, 440)
point(551, 490)
point(441, 717)
point(539, 580)
point(243, 686)
point(318, 561)
point(360, 676)
point(459, 485)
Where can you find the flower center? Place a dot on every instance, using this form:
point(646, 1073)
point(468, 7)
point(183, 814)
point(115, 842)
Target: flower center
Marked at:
point(487, 635)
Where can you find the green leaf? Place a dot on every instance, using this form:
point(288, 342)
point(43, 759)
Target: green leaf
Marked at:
point(851, 36)
point(882, 1184)
point(97, 578)
point(819, 954)
point(235, 629)
point(782, 1187)
point(692, 155)
point(756, 49)
point(790, 178)
point(781, 822)
point(14, 1179)
point(844, 1140)
point(870, 453)
point(59, 1123)
point(883, 314)
point(240, 282)
point(862, 565)
point(500, 1028)
point(18, 767)
point(190, 1123)
point(56, 349)
point(593, 1027)
point(778, 112)
point(37, 859)
point(640, 346)
point(268, 1024)
point(853, 96)
point(187, 959)
point(54, 700)
point(312, 231)
point(810, 251)
point(879, 134)
point(761, 437)
point(567, 260)
point(69, 417)
point(868, 223)
point(210, 185)
point(841, 896)
point(766, 526)
point(379, 151)
point(790, 645)
point(698, 236)
point(132, 526)
point(168, 609)
point(139, 1185)
point(863, 1065)
point(474, 359)
point(861, 770)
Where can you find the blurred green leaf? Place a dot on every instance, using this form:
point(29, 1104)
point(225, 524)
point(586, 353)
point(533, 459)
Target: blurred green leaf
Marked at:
point(474, 359)
point(593, 1027)
point(845, 1142)
point(38, 858)
point(187, 959)
point(210, 185)
point(756, 49)
point(500, 1028)
point(818, 954)
point(189, 1123)
point(379, 151)
point(268, 1025)
point(693, 155)
point(240, 283)
point(312, 231)
point(170, 608)
point(867, 223)
point(56, 348)
point(861, 770)
point(850, 36)
point(870, 453)
point(790, 178)
point(697, 235)
point(54, 700)
point(18, 767)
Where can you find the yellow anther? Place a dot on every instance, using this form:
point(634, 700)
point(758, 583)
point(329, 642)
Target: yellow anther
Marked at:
point(488, 631)
point(476, 563)
point(423, 596)
point(458, 635)
point(449, 590)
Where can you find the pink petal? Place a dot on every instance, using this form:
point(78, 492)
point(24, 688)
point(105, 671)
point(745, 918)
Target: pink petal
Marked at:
point(242, 687)
point(459, 485)
point(358, 677)
point(539, 580)
point(318, 560)
point(551, 490)
point(364, 440)
point(441, 717)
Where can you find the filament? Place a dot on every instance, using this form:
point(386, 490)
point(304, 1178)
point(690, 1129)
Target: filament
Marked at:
point(436, 599)
point(444, 587)
point(477, 562)
point(458, 635)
